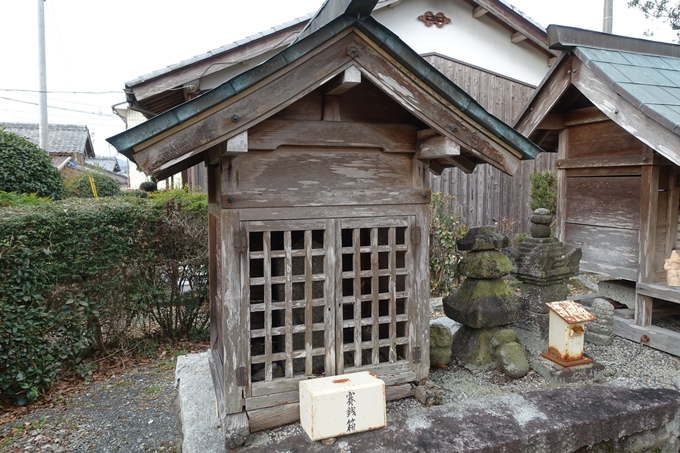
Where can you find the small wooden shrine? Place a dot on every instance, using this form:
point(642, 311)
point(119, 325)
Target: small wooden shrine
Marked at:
point(609, 107)
point(319, 207)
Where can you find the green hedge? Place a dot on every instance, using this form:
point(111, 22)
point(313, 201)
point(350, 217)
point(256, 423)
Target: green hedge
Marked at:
point(26, 169)
point(84, 273)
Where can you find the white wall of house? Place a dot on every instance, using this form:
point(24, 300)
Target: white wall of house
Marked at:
point(479, 42)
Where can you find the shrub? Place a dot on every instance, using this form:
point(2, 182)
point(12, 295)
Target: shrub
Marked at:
point(148, 186)
point(35, 340)
point(27, 169)
point(543, 190)
point(446, 227)
point(21, 199)
point(81, 187)
point(91, 274)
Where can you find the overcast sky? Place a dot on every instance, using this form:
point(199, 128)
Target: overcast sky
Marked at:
point(95, 46)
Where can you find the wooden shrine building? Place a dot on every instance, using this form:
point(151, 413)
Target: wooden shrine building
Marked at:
point(318, 207)
point(610, 107)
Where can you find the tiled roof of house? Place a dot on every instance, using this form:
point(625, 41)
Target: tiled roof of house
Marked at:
point(62, 138)
point(105, 163)
point(219, 50)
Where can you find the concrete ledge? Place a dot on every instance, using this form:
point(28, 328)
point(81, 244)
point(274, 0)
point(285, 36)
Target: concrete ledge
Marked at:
point(196, 410)
point(551, 421)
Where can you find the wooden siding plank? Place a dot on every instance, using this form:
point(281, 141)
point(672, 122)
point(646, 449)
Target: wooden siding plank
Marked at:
point(604, 201)
point(609, 248)
point(273, 133)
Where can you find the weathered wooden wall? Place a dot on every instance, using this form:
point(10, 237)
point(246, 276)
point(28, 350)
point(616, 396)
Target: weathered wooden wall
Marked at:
point(487, 195)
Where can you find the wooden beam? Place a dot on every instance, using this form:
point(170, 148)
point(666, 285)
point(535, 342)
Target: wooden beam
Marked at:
point(435, 167)
point(545, 99)
point(551, 61)
point(344, 82)
point(441, 152)
point(625, 114)
point(584, 116)
point(236, 145)
point(659, 338)
point(552, 121)
point(437, 147)
point(331, 109)
point(607, 161)
point(514, 21)
point(463, 163)
point(517, 37)
point(479, 12)
point(270, 134)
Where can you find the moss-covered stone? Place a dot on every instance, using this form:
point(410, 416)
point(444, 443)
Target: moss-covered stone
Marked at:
point(440, 356)
point(513, 360)
point(440, 336)
point(483, 238)
point(502, 337)
point(484, 303)
point(488, 264)
point(473, 347)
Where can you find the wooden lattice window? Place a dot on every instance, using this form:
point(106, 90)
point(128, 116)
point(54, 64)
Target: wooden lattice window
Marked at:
point(288, 295)
point(375, 294)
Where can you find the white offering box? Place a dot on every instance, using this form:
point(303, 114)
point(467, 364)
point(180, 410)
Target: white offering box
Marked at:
point(339, 405)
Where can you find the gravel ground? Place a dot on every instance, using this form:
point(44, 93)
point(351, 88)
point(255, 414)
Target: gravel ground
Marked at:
point(133, 412)
point(127, 413)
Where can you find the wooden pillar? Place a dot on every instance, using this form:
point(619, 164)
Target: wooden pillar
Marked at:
point(648, 216)
point(563, 143)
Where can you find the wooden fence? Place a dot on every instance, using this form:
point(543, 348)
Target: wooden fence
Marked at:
point(488, 196)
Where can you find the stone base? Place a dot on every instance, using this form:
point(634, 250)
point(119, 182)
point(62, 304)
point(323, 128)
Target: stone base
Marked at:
point(552, 372)
point(622, 291)
point(581, 361)
point(547, 421)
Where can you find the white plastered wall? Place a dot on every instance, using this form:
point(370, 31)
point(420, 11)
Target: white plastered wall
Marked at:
point(479, 42)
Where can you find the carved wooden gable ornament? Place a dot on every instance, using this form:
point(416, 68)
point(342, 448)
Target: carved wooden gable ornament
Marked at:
point(431, 18)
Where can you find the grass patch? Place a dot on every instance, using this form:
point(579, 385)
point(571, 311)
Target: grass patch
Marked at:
point(154, 389)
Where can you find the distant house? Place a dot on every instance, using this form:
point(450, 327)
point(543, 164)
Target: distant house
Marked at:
point(111, 167)
point(487, 47)
point(66, 142)
point(70, 145)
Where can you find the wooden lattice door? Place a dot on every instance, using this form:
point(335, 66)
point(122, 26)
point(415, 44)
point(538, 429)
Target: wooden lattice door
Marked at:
point(326, 297)
point(373, 328)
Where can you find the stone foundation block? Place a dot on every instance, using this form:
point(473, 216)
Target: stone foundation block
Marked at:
point(622, 291)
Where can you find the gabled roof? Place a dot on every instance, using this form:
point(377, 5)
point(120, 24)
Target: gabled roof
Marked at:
point(65, 139)
point(168, 87)
point(634, 82)
point(201, 123)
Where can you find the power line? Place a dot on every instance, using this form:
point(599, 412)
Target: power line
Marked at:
point(59, 108)
point(55, 99)
point(63, 92)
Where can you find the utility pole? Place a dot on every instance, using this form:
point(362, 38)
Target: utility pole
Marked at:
point(43, 127)
point(608, 21)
